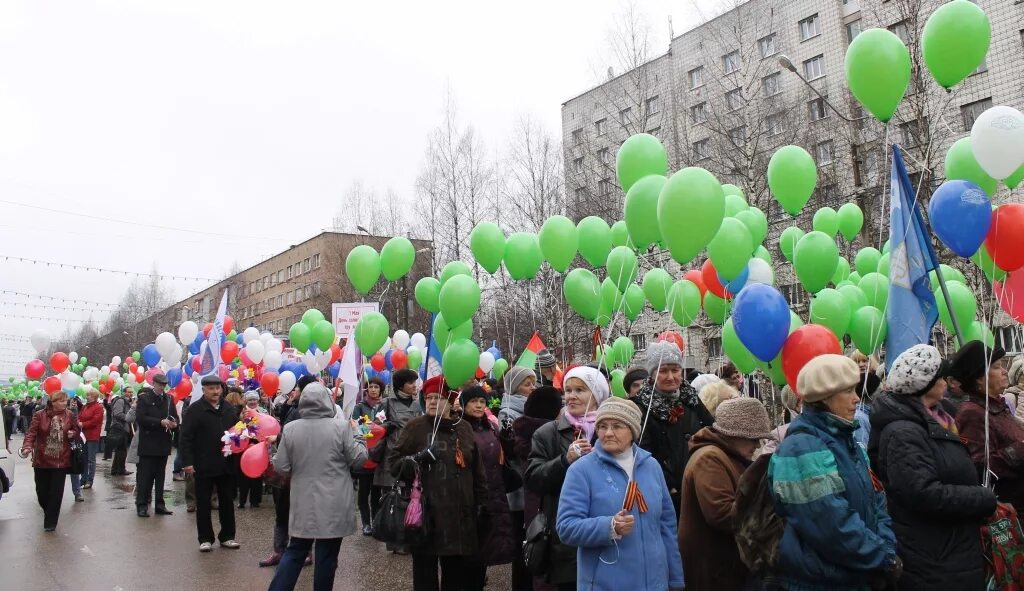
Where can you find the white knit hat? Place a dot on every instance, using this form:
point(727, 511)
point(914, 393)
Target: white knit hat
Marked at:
point(594, 380)
point(915, 370)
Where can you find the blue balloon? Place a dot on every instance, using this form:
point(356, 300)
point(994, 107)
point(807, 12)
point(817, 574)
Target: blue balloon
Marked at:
point(173, 377)
point(150, 356)
point(496, 352)
point(334, 369)
point(736, 285)
point(387, 358)
point(960, 213)
point(240, 339)
point(760, 316)
point(196, 343)
point(385, 376)
point(370, 372)
point(188, 368)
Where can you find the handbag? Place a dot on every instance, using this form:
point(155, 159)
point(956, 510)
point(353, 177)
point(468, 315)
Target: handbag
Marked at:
point(536, 545)
point(1002, 542)
point(77, 456)
point(389, 522)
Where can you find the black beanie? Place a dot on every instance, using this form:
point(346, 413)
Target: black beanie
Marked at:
point(305, 381)
point(544, 403)
point(472, 393)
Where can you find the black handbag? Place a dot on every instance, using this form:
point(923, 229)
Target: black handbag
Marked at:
point(536, 545)
point(77, 456)
point(389, 522)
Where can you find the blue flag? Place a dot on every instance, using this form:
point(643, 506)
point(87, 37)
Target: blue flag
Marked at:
point(432, 363)
point(911, 311)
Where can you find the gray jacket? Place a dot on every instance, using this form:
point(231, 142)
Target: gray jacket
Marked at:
point(398, 413)
point(317, 451)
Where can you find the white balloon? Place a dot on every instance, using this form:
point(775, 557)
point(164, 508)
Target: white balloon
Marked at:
point(104, 371)
point(323, 358)
point(401, 339)
point(997, 140)
point(419, 341)
point(255, 349)
point(486, 361)
point(175, 357)
point(116, 360)
point(132, 380)
point(115, 375)
point(286, 381)
point(90, 374)
point(69, 381)
point(73, 357)
point(165, 343)
point(266, 337)
point(272, 360)
point(309, 360)
point(273, 344)
point(250, 334)
point(760, 272)
point(187, 332)
point(40, 340)
point(387, 345)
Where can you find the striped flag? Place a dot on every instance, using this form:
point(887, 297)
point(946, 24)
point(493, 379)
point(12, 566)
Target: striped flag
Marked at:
point(528, 358)
point(209, 353)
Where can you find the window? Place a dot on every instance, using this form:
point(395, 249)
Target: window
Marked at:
point(971, 111)
point(316, 288)
point(817, 109)
point(1008, 339)
point(290, 299)
point(810, 27)
point(298, 295)
point(316, 261)
point(280, 276)
point(829, 194)
point(767, 46)
point(305, 265)
point(280, 301)
point(577, 165)
point(823, 152)
point(901, 31)
point(913, 133)
point(266, 282)
point(577, 137)
point(983, 67)
point(653, 105)
point(738, 136)
point(701, 149)
point(655, 131)
point(715, 348)
point(639, 342)
point(696, 77)
point(601, 127)
point(307, 291)
point(604, 155)
point(865, 166)
point(734, 99)
point(774, 123)
point(604, 186)
point(794, 294)
point(853, 28)
point(290, 271)
point(625, 115)
point(814, 67)
point(770, 84)
point(699, 113)
point(731, 62)
point(579, 193)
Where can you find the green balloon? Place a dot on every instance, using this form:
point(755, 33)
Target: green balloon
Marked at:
point(232, 335)
point(757, 226)
point(522, 256)
point(624, 350)
point(444, 335)
point(948, 273)
point(620, 234)
point(487, 242)
point(656, 285)
point(854, 296)
point(773, 370)
point(876, 289)
point(979, 331)
point(459, 299)
point(311, 317)
point(604, 355)
point(415, 358)
point(684, 302)
point(854, 278)
point(883, 264)
point(868, 329)
point(362, 265)
point(866, 260)
point(885, 247)
point(788, 240)
point(639, 156)
point(730, 249)
point(499, 369)
point(878, 71)
point(371, 332)
point(460, 361)
point(323, 335)
point(633, 302)
point(729, 189)
point(826, 220)
point(641, 210)
point(559, 240)
point(452, 269)
point(1014, 179)
point(965, 306)
point(428, 293)
point(734, 204)
point(611, 302)
point(583, 292)
point(830, 309)
point(135, 356)
point(735, 350)
point(717, 308)
point(961, 165)
point(842, 271)
point(595, 240)
point(397, 257)
point(792, 176)
point(851, 220)
point(690, 211)
point(763, 254)
point(815, 259)
point(954, 41)
point(300, 337)
point(616, 381)
point(984, 262)
point(622, 267)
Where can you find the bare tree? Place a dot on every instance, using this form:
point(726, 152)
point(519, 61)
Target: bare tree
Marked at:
point(365, 208)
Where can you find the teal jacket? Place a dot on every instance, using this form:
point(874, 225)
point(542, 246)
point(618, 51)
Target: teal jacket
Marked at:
point(837, 533)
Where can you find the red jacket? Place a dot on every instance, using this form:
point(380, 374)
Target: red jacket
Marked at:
point(39, 433)
point(91, 418)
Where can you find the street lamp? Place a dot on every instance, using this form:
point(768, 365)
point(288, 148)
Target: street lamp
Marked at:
point(362, 229)
point(788, 64)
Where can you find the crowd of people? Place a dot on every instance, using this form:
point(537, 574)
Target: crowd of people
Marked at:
point(871, 481)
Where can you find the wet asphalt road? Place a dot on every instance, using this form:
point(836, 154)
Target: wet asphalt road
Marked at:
point(100, 544)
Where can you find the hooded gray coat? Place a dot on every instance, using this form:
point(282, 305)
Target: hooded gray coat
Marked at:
point(317, 451)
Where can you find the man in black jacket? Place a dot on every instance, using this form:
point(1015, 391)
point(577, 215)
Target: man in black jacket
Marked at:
point(207, 420)
point(157, 419)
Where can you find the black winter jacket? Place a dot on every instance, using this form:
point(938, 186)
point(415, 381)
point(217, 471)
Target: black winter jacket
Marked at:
point(935, 501)
point(201, 434)
point(150, 409)
point(669, 443)
point(545, 474)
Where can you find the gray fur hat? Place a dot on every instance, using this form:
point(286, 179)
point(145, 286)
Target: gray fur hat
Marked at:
point(663, 353)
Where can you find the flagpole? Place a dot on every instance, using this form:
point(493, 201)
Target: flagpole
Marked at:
point(949, 306)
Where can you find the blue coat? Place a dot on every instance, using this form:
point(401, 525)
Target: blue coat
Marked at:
point(838, 533)
point(648, 557)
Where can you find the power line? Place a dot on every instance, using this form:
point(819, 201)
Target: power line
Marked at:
point(104, 270)
point(146, 309)
point(48, 318)
point(54, 298)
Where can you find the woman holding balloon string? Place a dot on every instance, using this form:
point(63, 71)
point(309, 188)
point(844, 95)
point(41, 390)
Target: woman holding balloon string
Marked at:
point(369, 495)
point(250, 488)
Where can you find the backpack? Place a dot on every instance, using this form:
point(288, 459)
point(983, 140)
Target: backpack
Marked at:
point(1003, 543)
point(758, 527)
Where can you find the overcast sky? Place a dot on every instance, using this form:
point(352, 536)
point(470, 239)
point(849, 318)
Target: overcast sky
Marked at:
point(244, 122)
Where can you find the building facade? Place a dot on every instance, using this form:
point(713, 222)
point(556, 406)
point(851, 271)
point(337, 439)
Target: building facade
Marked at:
point(723, 98)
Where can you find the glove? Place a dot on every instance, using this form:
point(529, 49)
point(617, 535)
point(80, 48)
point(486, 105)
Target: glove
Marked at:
point(426, 457)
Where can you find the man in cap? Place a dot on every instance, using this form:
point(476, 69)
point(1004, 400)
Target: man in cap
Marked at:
point(157, 419)
point(207, 420)
point(550, 374)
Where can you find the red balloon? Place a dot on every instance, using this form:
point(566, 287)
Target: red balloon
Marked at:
point(229, 324)
point(222, 372)
point(113, 367)
point(698, 279)
point(336, 354)
point(207, 328)
point(133, 367)
point(59, 361)
point(377, 362)
point(804, 344)
point(672, 337)
point(376, 436)
point(399, 359)
point(51, 384)
point(710, 277)
point(140, 376)
point(35, 369)
point(228, 351)
point(267, 426)
point(197, 364)
point(269, 383)
point(105, 388)
point(244, 358)
point(1005, 239)
point(255, 460)
point(1011, 294)
point(183, 389)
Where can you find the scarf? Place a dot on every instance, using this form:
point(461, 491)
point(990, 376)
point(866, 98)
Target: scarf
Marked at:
point(585, 425)
point(667, 406)
point(942, 418)
point(55, 437)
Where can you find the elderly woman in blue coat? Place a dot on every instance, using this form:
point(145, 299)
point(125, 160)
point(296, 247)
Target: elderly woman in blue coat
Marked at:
point(616, 509)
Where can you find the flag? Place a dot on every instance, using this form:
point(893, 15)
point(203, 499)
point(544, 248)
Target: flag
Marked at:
point(209, 352)
point(351, 362)
point(911, 310)
point(528, 358)
point(432, 364)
